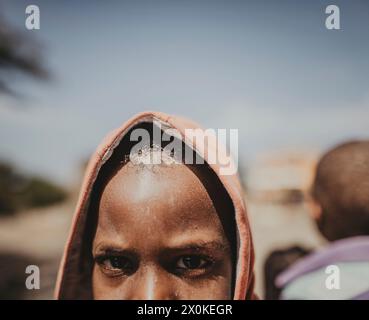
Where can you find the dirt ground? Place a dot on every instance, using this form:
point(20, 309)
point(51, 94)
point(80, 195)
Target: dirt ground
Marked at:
point(38, 236)
point(33, 237)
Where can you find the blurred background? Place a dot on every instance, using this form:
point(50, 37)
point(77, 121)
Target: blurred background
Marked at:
point(269, 68)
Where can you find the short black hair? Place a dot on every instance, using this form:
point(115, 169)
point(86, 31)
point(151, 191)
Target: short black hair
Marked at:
point(341, 187)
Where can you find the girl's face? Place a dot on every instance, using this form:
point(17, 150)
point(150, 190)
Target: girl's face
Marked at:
point(159, 237)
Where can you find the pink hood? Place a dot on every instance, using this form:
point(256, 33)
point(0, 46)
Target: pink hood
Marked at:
point(73, 283)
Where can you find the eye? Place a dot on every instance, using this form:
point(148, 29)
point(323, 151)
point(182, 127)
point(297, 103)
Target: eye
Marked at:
point(116, 264)
point(192, 262)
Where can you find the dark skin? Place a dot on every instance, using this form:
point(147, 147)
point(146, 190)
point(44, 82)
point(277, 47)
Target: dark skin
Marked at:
point(159, 236)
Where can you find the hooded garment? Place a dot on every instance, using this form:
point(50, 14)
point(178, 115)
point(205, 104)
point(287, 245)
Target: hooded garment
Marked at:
point(74, 279)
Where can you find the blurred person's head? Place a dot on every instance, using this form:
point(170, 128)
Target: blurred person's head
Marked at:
point(341, 191)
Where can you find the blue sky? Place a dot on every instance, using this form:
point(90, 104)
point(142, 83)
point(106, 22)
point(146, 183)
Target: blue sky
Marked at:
point(269, 68)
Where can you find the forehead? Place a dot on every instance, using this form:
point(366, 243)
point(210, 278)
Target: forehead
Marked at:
point(165, 200)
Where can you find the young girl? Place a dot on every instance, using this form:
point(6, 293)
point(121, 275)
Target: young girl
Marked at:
point(157, 230)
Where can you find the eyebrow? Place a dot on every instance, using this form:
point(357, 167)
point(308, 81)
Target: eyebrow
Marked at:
point(190, 246)
point(111, 248)
point(199, 245)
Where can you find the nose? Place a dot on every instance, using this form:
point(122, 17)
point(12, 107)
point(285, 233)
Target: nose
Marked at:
point(152, 284)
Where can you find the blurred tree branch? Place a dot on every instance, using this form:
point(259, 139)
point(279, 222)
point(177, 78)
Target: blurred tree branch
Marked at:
point(18, 54)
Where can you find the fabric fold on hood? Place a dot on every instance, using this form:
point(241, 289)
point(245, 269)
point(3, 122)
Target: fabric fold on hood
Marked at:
point(74, 278)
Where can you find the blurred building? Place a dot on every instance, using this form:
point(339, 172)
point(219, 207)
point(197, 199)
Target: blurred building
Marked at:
point(281, 176)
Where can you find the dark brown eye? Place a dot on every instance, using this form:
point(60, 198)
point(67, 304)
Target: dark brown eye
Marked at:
point(117, 263)
point(192, 262)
